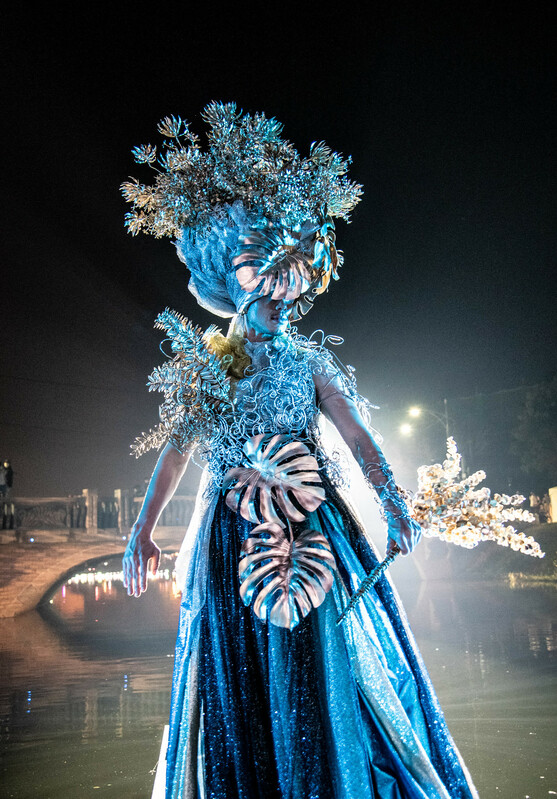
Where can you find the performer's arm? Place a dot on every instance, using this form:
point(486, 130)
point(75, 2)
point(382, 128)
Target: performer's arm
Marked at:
point(344, 414)
point(141, 548)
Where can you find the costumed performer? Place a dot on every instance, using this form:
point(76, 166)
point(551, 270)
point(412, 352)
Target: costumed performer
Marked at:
point(272, 699)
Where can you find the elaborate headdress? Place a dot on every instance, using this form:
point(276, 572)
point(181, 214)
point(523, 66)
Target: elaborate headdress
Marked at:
point(250, 217)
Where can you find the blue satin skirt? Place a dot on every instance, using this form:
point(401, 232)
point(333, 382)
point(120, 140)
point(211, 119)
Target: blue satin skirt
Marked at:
point(321, 712)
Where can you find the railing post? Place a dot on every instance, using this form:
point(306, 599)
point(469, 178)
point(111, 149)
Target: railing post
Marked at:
point(123, 499)
point(92, 499)
point(553, 503)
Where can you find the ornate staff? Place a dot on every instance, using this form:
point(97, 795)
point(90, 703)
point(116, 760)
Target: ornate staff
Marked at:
point(369, 582)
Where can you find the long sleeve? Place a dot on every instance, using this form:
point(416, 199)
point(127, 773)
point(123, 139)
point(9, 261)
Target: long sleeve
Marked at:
point(343, 411)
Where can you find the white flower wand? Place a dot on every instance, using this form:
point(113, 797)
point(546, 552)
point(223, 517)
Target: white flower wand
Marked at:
point(460, 513)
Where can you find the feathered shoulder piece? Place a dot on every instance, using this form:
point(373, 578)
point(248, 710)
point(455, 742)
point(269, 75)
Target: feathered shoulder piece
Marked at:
point(195, 382)
point(246, 160)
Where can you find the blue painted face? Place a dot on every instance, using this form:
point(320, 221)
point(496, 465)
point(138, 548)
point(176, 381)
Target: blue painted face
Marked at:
point(266, 318)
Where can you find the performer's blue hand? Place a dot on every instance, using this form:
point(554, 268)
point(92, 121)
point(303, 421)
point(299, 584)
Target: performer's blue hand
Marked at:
point(405, 533)
point(140, 550)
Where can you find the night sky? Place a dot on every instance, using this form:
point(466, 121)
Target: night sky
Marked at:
point(447, 289)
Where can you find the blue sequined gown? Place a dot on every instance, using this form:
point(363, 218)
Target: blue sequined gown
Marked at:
point(319, 712)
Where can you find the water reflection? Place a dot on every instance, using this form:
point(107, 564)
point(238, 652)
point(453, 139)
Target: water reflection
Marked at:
point(491, 652)
point(84, 688)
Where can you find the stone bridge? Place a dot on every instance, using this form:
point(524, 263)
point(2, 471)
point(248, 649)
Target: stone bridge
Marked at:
point(43, 540)
point(30, 567)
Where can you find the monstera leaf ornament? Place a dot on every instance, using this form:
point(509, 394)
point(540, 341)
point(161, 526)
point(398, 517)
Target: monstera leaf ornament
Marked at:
point(276, 468)
point(289, 575)
point(269, 260)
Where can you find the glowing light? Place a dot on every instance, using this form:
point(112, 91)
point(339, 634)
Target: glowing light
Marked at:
point(107, 578)
point(414, 411)
point(405, 429)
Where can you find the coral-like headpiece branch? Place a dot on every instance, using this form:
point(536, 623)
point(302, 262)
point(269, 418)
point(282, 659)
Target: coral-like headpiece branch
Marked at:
point(247, 160)
point(251, 217)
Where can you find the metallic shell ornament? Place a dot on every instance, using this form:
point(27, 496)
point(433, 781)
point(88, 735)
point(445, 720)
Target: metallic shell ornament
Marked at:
point(270, 262)
point(288, 577)
point(294, 263)
point(276, 468)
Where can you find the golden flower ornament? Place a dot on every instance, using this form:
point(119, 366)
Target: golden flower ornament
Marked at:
point(289, 576)
point(278, 473)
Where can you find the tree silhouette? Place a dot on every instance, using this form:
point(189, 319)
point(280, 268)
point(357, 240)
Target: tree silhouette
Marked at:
point(536, 433)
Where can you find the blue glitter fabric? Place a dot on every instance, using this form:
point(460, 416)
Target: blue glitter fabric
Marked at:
point(321, 712)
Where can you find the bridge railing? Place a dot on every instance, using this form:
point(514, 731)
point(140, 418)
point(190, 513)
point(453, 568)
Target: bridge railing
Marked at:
point(87, 511)
point(43, 513)
point(127, 505)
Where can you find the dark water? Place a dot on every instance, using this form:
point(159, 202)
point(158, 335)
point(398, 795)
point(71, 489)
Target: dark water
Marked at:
point(84, 688)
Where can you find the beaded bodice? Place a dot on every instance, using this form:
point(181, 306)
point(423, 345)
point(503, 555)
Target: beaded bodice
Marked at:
point(277, 396)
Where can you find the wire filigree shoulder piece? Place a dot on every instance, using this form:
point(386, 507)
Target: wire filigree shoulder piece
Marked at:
point(341, 377)
point(195, 384)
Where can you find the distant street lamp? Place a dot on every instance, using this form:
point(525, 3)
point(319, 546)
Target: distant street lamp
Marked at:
point(415, 411)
